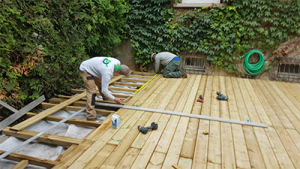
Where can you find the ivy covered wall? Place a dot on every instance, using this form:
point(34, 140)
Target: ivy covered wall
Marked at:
point(220, 33)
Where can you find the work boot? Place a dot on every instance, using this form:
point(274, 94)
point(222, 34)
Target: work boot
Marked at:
point(183, 74)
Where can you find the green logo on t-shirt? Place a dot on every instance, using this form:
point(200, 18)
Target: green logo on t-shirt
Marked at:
point(106, 61)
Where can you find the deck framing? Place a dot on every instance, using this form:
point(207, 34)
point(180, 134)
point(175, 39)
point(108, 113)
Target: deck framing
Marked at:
point(179, 141)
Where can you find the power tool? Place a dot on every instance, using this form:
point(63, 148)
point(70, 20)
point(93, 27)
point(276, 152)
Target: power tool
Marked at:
point(221, 96)
point(144, 130)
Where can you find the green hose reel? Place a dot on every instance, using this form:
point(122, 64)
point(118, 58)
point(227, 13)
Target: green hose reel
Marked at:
point(253, 69)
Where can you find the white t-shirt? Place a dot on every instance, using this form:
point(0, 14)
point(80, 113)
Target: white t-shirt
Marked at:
point(102, 67)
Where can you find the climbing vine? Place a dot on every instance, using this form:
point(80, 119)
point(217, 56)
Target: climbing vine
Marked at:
point(221, 33)
point(42, 43)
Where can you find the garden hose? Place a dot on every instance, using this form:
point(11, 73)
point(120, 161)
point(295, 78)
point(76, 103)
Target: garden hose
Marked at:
point(253, 69)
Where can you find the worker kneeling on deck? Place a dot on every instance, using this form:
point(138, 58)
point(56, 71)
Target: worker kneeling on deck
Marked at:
point(98, 71)
point(171, 61)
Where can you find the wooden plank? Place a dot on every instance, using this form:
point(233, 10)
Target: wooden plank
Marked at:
point(134, 80)
point(105, 128)
point(123, 131)
point(127, 141)
point(70, 121)
point(138, 99)
point(201, 149)
point(176, 144)
point(256, 158)
point(100, 158)
point(85, 99)
point(267, 101)
point(76, 108)
point(292, 90)
point(121, 89)
point(287, 98)
point(141, 76)
point(295, 88)
point(71, 157)
point(54, 109)
point(31, 160)
point(185, 163)
point(127, 84)
point(284, 160)
point(156, 160)
point(46, 113)
point(65, 154)
point(254, 108)
point(144, 73)
point(227, 147)
point(177, 101)
point(45, 138)
point(189, 142)
point(114, 94)
point(156, 117)
point(287, 141)
point(128, 158)
point(103, 138)
point(294, 134)
point(290, 121)
point(9, 120)
point(22, 164)
point(214, 146)
point(213, 166)
point(240, 148)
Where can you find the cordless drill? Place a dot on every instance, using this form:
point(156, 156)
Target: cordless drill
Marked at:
point(144, 130)
point(221, 96)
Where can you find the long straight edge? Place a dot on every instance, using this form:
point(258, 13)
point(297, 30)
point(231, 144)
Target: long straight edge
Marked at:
point(38, 135)
point(184, 114)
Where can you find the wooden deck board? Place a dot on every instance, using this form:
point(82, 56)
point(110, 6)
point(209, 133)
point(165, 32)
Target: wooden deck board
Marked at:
point(180, 140)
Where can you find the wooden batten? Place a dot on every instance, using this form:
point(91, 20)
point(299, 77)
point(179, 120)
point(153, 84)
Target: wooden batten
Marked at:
point(31, 160)
point(134, 80)
point(76, 108)
point(21, 165)
point(114, 94)
point(45, 138)
point(71, 121)
point(127, 84)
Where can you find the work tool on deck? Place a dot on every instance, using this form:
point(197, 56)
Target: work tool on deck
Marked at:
point(144, 130)
point(200, 99)
point(221, 96)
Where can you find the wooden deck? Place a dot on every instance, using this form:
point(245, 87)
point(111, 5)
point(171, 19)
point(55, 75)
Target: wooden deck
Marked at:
point(180, 140)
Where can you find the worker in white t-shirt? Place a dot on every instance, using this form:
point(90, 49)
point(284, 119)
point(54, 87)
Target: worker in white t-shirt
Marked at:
point(98, 71)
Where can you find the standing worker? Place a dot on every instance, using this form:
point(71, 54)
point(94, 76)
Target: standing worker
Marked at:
point(171, 61)
point(98, 71)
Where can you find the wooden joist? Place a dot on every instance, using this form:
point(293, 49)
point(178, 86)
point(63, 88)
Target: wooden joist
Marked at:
point(31, 160)
point(21, 165)
point(45, 138)
point(104, 101)
point(114, 94)
point(47, 112)
point(121, 89)
point(134, 80)
point(54, 109)
point(71, 121)
point(80, 103)
point(128, 84)
point(144, 73)
point(141, 76)
point(76, 108)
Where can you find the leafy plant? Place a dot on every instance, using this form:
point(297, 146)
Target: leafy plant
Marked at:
point(42, 43)
point(222, 33)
